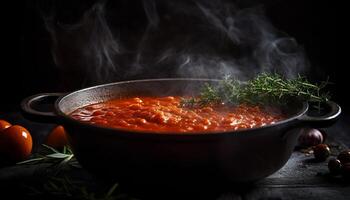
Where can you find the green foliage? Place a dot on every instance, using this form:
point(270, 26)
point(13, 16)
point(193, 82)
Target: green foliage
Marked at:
point(264, 89)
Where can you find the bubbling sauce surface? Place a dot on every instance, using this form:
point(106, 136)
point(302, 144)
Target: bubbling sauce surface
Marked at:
point(166, 115)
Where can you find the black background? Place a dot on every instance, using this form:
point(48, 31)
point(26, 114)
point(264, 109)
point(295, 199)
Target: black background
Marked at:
point(28, 68)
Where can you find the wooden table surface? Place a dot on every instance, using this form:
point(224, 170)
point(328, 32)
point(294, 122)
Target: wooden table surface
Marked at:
point(300, 178)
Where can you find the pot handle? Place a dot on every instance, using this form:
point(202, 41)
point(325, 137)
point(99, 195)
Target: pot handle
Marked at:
point(325, 119)
point(40, 107)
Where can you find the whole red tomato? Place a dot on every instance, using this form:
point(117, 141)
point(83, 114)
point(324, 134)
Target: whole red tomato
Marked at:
point(15, 143)
point(57, 138)
point(4, 125)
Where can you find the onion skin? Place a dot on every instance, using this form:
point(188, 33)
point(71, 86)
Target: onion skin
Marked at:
point(310, 137)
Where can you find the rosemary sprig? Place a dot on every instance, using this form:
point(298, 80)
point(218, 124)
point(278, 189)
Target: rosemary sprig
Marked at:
point(265, 88)
point(56, 182)
point(67, 188)
point(56, 159)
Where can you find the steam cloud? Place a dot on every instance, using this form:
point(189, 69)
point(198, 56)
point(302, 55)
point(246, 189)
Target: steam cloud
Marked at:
point(202, 39)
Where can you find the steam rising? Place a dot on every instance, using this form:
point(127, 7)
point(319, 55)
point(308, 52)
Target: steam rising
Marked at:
point(203, 39)
point(88, 46)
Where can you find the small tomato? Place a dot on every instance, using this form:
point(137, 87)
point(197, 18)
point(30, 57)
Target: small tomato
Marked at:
point(57, 138)
point(4, 125)
point(15, 143)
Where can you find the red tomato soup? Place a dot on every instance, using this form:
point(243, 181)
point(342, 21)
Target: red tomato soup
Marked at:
point(165, 114)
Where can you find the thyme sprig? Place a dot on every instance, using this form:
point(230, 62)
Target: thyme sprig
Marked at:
point(265, 88)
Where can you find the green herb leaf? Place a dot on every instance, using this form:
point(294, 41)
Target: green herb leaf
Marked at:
point(58, 155)
point(111, 190)
point(52, 156)
point(263, 89)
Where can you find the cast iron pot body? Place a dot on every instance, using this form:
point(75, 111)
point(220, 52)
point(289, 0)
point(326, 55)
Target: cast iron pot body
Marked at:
point(149, 157)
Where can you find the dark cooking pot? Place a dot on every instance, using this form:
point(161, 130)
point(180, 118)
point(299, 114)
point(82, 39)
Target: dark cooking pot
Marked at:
point(144, 157)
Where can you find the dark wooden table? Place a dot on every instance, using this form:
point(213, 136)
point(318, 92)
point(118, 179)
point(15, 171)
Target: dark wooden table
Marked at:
point(300, 178)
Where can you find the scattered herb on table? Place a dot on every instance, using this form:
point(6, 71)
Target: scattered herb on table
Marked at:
point(57, 159)
point(57, 184)
point(67, 188)
point(264, 89)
